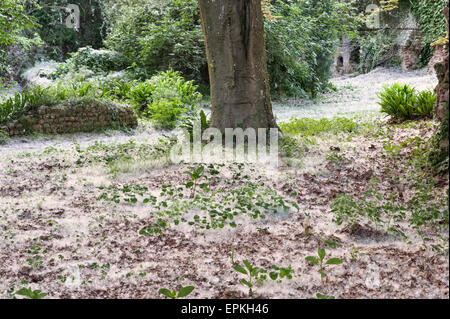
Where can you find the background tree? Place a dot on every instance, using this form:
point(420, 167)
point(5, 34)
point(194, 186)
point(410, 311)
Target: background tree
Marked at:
point(235, 51)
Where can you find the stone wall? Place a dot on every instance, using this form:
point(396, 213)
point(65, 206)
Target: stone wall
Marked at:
point(401, 22)
point(71, 118)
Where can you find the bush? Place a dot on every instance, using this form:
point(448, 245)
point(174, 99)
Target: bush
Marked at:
point(169, 85)
point(402, 102)
point(97, 61)
point(158, 35)
point(165, 113)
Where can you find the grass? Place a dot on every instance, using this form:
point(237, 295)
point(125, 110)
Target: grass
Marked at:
point(307, 127)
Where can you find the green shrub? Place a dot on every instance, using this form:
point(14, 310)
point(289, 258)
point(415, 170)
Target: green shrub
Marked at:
point(165, 113)
point(425, 103)
point(169, 85)
point(158, 35)
point(402, 102)
point(97, 61)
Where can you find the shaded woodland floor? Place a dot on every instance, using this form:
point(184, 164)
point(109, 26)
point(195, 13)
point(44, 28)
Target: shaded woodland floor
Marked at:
point(106, 216)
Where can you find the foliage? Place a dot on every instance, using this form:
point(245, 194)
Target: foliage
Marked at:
point(158, 35)
point(258, 275)
point(169, 85)
point(165, 113)
point(4, 137)
point(430, 15)
point(319, 261)
point(33, 97)
point(253, 273)
point(59, 39)
point(311, 127)
point(213, 208)
point(387, 212)
point(183, 292)
point(301, 42)
point(28, 292)
point(188, 123)
point(98, 61)
point(377, 48)
point(402, 102)
point(13, 19)
point(301, 39)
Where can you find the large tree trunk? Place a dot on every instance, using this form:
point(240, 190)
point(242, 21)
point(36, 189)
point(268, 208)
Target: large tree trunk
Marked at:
point(236, 54)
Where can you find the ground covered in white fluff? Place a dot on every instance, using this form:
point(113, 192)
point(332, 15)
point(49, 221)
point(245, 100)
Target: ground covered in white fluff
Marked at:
point(107, 216)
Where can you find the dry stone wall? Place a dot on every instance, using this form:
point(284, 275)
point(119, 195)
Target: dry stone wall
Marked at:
point(71, 118)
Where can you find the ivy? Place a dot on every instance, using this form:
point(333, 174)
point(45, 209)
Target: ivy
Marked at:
point(429, 14)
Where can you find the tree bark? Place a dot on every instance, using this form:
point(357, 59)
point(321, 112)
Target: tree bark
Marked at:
point(236, 55)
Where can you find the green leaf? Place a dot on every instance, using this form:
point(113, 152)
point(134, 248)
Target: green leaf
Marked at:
point(185, 291)
point(245, 282)
point(334, 261)
point(321, 253)
point(27, 292)
point(240, 269)
point(189, 184)
point(273, 275)
point(312, 259)
point(248, 265)
point(167, 293)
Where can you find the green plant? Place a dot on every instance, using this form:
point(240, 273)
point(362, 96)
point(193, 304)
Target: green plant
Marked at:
point(4, 137)
point(183, 292)
point(195, 175)
point(188, 123)
point(165, 113)
point(28, 292)
point(402, 102)
point(320, 296)
point(425, 103)
point(319, 261)
point(253, 274)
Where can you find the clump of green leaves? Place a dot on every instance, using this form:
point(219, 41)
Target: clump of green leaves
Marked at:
point(165, 113)
point(253, 274)
point(168, 85)
point(195, 176)
point(403, 102)
point(258, 275)
point(320, 261)
point(31, 294)
point(183, 292)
